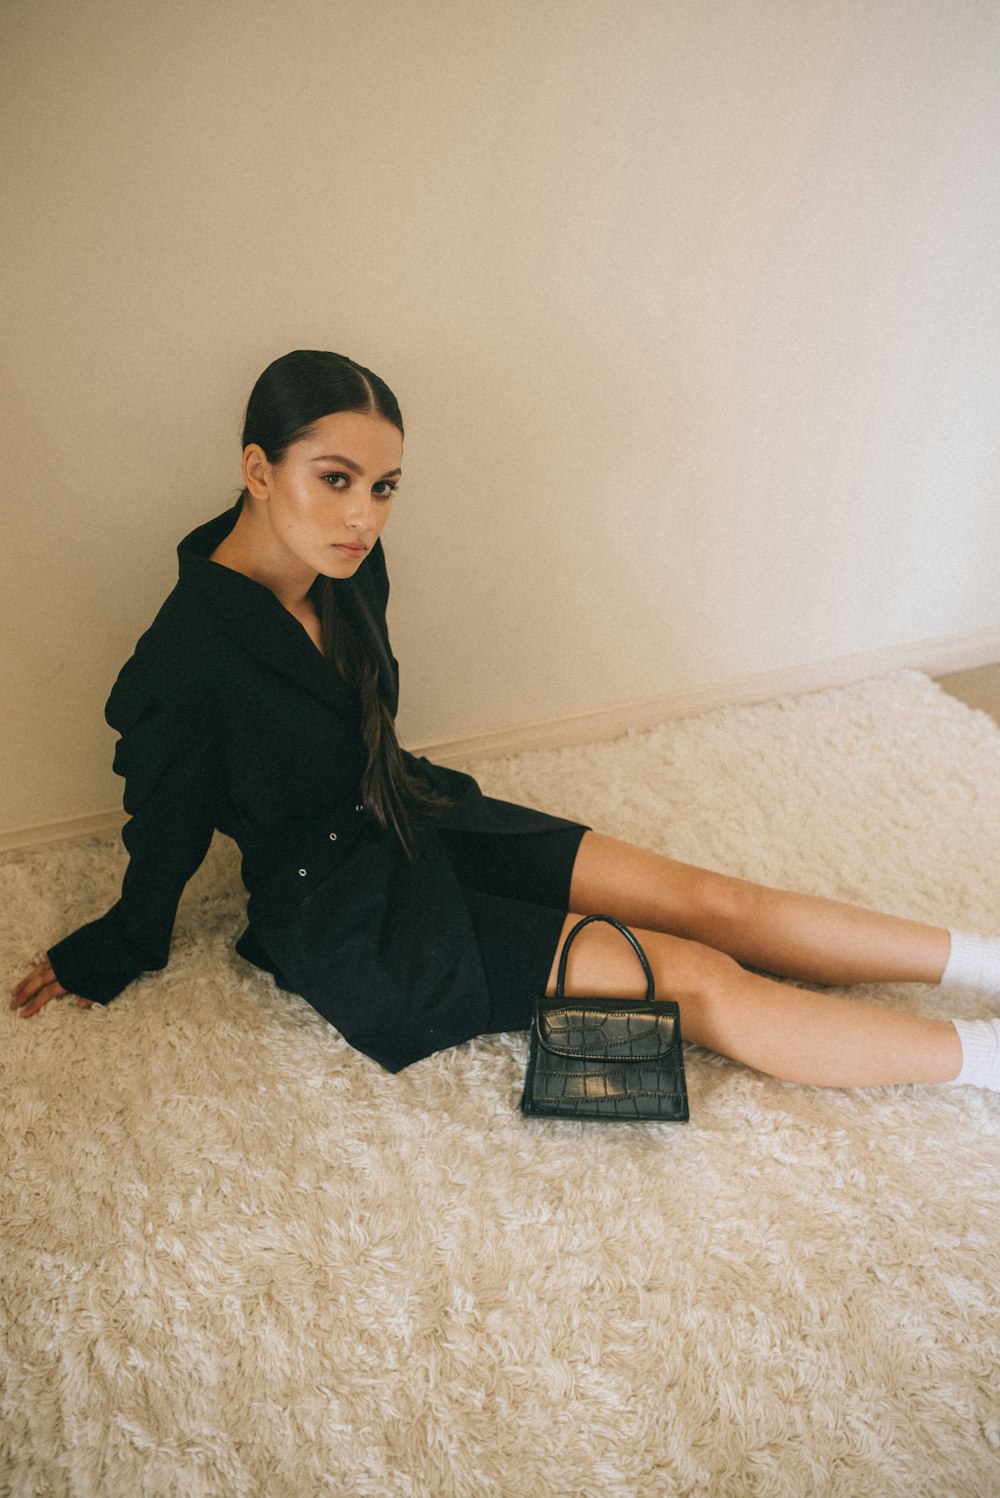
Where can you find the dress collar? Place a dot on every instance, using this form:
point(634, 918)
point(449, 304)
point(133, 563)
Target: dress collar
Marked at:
point(232, 593)
point(262, 623)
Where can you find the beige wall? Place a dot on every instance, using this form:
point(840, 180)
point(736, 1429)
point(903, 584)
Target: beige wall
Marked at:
point(692, 309)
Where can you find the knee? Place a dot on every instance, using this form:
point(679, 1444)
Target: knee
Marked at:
point(690, 970)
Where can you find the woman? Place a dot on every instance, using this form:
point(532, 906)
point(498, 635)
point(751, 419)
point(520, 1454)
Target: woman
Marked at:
point(409, 909)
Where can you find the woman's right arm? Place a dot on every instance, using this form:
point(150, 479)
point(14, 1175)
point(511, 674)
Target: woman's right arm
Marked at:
point(167, 755)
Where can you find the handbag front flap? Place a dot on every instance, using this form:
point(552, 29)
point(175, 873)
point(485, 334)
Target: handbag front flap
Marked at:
point(608, 1029)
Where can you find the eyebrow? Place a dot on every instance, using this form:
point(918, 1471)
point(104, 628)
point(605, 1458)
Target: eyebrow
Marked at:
point(349, 463)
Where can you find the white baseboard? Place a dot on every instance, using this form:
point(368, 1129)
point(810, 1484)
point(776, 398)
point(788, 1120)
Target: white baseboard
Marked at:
point(62, 829)
point(937, 657)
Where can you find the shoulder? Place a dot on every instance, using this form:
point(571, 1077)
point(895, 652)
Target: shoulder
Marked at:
point(175, 664)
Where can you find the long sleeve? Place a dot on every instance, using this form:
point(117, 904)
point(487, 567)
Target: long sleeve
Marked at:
point(167, 756)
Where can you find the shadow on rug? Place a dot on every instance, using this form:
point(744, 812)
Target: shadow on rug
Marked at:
point(239, 1259)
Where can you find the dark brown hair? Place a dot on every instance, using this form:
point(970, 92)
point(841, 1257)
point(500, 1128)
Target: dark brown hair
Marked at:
point(292, 394)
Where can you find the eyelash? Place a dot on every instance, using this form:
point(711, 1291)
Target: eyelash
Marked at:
point(392, 486)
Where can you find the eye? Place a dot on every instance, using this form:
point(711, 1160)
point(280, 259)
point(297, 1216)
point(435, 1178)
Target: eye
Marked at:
point(384, 489)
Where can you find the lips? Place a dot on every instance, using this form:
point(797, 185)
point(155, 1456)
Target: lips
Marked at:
point(352, 550)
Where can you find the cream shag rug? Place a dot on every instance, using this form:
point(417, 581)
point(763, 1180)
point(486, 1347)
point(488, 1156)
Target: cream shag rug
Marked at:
point(238, 1259)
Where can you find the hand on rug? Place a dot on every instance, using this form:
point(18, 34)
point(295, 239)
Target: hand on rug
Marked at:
point(37, 988)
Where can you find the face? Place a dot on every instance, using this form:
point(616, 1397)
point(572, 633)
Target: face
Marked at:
point(326, 502)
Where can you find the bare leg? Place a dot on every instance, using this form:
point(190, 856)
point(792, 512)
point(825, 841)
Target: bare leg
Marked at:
point(801, 1036)
point(793, 935)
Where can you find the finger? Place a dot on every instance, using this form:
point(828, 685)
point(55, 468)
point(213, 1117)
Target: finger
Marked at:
point(25, 990)
point(44, 996)
point(35, 1005)
point(40, 973)
point(84, 1004)
point(29, 986)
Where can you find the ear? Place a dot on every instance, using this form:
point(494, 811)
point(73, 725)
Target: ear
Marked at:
point(256, 471)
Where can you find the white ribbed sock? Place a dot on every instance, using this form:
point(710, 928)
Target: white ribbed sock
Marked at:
point(973, 963)
point(980, 1054)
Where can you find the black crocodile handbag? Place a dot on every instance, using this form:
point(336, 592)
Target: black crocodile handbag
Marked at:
point(606, 1058)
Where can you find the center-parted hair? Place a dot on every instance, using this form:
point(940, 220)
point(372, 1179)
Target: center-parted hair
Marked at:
point(290, 396)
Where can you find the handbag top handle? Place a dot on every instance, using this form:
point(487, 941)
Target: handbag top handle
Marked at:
point(561, 975)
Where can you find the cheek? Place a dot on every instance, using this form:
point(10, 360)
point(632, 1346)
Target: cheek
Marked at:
point(301, 513)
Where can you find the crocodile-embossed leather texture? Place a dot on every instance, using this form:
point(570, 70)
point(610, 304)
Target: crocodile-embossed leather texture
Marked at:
point(630, 1033)
point(606, 1058)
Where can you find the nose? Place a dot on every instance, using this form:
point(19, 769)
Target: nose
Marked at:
point(360, 509)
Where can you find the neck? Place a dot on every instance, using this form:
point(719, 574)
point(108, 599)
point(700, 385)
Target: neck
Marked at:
point(251, 548)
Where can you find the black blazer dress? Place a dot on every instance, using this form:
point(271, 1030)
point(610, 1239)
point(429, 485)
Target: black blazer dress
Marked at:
point(230, 718)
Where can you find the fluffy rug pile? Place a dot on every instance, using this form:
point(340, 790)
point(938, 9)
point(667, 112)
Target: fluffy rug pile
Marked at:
point(239, 1259)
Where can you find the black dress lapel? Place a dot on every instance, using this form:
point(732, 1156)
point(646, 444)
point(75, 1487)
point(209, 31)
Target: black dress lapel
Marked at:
point(253, 616)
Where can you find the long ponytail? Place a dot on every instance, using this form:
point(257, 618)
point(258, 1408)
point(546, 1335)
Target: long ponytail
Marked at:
point(389, 788)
